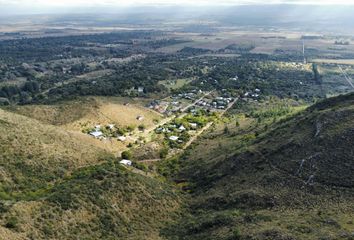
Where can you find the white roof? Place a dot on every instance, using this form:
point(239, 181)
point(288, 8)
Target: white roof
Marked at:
point(182, 128)
point(126, 162)
point(122, 138)
point(193, 124)
point(173, 138)
point(96, 134)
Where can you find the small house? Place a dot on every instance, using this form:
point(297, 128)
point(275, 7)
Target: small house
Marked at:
point(140, 90)
point(126, 162)
point(173, 138)
point(122, 138)
point(193, 125)
point(96, 134)
point(181, 128)
point(140, 118)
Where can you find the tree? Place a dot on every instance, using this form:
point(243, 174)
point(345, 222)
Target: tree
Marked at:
point(127, 155)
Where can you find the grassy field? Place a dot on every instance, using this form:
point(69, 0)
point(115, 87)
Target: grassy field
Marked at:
point(176, 84)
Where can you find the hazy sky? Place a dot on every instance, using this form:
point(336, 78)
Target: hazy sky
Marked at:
point(23, 7)
point(68, 3)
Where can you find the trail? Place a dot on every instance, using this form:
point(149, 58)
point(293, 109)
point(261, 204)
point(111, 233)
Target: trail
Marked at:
point(349, 79)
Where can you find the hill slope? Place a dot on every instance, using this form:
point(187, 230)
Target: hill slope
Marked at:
point(293, 181)
point(56, 184)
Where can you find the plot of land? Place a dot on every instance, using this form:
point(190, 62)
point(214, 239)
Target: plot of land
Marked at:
point(176, 84)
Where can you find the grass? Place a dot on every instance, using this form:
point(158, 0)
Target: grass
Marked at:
point(176, 84)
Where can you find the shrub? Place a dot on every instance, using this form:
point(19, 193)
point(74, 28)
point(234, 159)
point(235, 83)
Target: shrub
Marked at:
point(127, 155)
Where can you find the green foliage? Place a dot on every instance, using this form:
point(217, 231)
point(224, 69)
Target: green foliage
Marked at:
point(127, 155)
point(11, 222)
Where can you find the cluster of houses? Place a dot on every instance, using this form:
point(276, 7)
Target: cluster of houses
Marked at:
point(217, 103)
point(101, 134)
point(252, 94)
point(175, 130)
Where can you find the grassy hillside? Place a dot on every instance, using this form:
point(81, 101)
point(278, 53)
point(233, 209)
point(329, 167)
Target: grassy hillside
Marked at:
point(57, 184)
point(290, 180)
point(89, 111)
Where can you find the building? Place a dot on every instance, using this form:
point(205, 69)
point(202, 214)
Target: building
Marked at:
point(140, 118)
point(126, 162)
point(122, 138)
point(173, 138)
point(140, 90)
point(193, 125)
point(182, 128)
point(96, 134)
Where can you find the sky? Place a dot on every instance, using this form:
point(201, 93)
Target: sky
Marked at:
point(76, 3)
point(25, 7)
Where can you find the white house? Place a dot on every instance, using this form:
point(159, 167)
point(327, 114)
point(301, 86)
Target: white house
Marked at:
point(182, 128)
point(96, 134)
point(140, 89)
point(173, 138)
point(193, 125)
point(126, 162)
point(140, 118)
point(122, 138)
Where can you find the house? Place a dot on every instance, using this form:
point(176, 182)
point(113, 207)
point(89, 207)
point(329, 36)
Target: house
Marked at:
point(96, 134)
point(111, 126)
point(193, 125)
point(122, 138)
point(140, 90)
point(126, 162)
point(173, 138)
point(140, 118)
point(181, 128)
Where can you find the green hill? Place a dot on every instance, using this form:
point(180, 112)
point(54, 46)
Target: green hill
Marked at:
point(293, 181)
point(59, 185)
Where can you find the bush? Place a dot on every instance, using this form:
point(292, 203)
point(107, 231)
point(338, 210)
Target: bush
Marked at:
point(127, 155)
point(11, 222)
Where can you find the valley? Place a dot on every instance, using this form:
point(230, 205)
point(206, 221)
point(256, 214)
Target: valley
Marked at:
point(171, 130)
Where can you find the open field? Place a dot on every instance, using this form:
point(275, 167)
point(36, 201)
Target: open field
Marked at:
point(176, 84)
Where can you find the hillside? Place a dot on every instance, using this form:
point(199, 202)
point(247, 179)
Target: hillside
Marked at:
point(292, 180)
point(57, 184)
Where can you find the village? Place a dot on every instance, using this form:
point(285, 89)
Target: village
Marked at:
point(184, 117)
